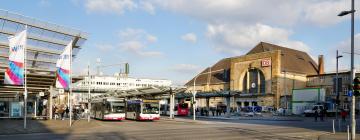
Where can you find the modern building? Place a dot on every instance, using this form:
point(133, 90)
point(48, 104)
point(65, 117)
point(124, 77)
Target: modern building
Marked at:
point(45, 42)
point(327, 81)
point(265, 76)
point(103, 84)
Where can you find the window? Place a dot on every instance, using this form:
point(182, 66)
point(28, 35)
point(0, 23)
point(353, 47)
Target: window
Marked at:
point(252, 87)
point(345, 91)
point(322, 79)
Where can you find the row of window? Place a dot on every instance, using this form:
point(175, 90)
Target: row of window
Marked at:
point(118, 84)
point(321, 79)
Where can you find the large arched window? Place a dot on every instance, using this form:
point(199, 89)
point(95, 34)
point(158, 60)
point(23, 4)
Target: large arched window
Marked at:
point(254, 82)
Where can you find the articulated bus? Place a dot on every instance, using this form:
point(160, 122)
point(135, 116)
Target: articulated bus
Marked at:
point(143, 109)
point(108, 109)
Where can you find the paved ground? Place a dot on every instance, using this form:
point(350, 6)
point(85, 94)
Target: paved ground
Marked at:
point(180, 128)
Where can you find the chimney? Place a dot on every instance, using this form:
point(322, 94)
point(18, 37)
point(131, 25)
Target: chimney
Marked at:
point(321, 64)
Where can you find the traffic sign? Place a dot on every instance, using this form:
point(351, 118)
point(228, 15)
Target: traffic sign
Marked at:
point(41, 93)
point(350, 93)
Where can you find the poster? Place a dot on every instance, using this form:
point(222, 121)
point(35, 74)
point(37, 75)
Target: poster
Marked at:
point(15, 109)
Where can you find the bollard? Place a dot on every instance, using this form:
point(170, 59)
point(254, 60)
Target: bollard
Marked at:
point(333, 121)
point(348, 132)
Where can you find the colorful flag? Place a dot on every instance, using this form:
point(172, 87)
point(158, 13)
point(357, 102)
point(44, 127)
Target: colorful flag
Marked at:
point(63, 68)
point(14, 74)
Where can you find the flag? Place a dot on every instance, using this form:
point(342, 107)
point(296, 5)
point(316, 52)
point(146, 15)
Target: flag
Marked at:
point(63, 68)
point(14, 74)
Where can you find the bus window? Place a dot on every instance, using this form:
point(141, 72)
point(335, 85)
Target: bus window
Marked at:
point(118, 107)
point(107, 108)
point(183, 105)
point(151, 108)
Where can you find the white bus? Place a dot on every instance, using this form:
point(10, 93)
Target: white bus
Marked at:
point(108, 109)
point(143, 109)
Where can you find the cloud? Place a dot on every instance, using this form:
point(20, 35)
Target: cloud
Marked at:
point(185, 68)
point(324, 13)
point(148, 7)
point(109, 6)
point(151, 38)
point(136, 41)
point(189, 37)
point(270, 12)
point(236, 39)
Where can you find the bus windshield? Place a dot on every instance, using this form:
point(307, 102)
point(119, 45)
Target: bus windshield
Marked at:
point(183, 105)
point(118, 107)
point(151, 108)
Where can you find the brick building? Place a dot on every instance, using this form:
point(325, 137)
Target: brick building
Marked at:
point(265, 76)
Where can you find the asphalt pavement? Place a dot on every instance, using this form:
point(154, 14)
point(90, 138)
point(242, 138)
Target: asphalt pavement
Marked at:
point(169, 129)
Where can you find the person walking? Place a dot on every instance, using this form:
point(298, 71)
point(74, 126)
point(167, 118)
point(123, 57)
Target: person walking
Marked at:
point(62, 112)
point(316, 114)
point(67, 111)
point(343, 115)
point(212, 111)
point(322, 114)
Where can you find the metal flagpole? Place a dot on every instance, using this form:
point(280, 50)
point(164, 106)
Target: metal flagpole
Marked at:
point(89, 95)
point(70, 85)
point(25, 82)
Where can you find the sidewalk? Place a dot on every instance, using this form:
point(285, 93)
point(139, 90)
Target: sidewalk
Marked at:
point(265, 118)
point(337, 136)
point(11, 126)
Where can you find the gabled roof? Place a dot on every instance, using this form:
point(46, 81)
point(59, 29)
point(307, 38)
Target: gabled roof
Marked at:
point(291, 60)
point(217, 74)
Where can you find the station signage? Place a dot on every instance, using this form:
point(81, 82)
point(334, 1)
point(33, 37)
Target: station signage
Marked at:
point(266, 62)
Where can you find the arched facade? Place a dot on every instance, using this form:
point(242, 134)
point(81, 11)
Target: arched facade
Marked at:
point(254, 82)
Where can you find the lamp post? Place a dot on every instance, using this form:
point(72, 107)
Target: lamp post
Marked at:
point(285, 95)
point(89, 93)
point(352, 68)
point(194, 99)
point(337, 84)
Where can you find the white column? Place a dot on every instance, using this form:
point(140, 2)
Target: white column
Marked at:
point(51, 103)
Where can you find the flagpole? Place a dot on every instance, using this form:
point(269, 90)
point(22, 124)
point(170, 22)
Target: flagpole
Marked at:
point(89, 94)
point(25, 82)
point(70, 85)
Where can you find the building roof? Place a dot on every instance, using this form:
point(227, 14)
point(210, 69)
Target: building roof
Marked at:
point(220, 73)
point(291, 60)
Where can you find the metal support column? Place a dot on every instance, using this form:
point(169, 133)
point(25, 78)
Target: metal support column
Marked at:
point(172, 104)
point(228, 106)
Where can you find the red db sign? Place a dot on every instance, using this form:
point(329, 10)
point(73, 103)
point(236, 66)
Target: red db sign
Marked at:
point(265, 62)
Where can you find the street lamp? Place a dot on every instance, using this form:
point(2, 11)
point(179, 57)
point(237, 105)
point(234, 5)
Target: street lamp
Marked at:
point(194, 100)
point(337, 83)
point(352, 74)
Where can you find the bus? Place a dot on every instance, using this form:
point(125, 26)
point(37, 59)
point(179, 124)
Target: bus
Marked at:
point(108, 109)
point(142, 109)
point(181, 109)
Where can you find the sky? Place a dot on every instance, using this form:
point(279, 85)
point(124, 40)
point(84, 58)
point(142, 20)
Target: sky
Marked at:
point(176, 39)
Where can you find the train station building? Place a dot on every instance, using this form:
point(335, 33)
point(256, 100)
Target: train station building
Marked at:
point(265, 76)
point(45, 42)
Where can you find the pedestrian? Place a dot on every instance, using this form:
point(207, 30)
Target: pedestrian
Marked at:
point(322, 114)
point(62, 112)
point(316, 114)
point(202, 112)
point(343, 115)
point(212, 111)
point(67, 111)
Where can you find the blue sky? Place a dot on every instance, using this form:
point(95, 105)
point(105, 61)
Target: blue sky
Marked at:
point(175, 39)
